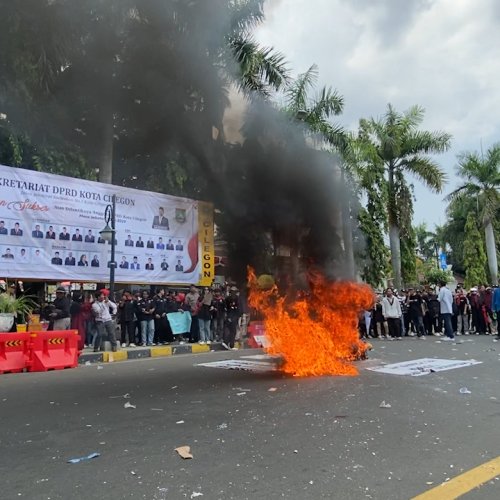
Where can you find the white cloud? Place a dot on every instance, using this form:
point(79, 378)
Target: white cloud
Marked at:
point(440, 54)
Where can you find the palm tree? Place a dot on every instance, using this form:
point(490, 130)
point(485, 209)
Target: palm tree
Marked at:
point(397, 142)
point(481, 176)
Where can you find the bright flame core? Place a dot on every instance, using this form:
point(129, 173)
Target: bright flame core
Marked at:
point(317, 333)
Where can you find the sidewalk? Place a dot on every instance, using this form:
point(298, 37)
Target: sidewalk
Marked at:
point(123, 354)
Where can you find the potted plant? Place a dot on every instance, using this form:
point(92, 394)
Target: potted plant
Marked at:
point(10, 307)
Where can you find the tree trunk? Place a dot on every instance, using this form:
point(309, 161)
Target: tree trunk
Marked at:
point(105, 152)
point(491, 251)
point(395, 244)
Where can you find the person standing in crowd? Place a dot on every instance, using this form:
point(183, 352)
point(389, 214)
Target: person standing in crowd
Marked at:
point(463, 306)
point(446, 309)
point(126, 309)
point(487, 300)
point(415, 307)
point(478, 322)
point(218, 316)
point(79, 318)
point(435, 315)
point(495, 305)
point(205, 316)
point(402, 296)
point(192, 302)
point(378, 322)
point(233, 313)
point(161, 322)
point(61, 313)
point(147, 309)
point(103, 309)
point(391, 309)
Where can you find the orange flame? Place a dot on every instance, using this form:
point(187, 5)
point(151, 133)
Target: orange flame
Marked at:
point(316, 334)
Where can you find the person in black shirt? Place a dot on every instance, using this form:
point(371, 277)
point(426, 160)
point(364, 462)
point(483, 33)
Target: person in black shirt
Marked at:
point(147, 309)
point(61, 314)
point(127, 318)
point(415, 309)
point(233, 313)
point(161, 323)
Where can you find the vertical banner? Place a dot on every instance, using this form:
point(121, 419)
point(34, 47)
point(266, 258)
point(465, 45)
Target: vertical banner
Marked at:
point(49, 230)
point(206, 235)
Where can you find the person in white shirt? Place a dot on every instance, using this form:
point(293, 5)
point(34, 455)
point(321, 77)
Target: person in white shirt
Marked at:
point(446, 309)
point(102, 309)
point(391, 309)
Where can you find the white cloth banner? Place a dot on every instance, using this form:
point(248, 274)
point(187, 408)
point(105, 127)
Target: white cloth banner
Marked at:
point(424, 366)
point(49, 229)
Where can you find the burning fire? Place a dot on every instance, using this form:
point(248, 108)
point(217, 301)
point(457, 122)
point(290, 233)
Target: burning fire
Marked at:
point(317, 333)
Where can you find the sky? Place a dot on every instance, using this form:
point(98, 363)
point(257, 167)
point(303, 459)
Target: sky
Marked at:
point(440, 54)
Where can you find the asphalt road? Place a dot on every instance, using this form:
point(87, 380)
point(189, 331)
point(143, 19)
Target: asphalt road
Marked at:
point(311, 438)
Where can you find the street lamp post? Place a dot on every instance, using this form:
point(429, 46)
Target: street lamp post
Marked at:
point(109, 234)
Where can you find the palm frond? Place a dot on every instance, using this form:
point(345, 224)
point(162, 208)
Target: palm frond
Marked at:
point(426, 170)
point(297, 91)
point(260, 67)
point(423, 141)
point(329, 102)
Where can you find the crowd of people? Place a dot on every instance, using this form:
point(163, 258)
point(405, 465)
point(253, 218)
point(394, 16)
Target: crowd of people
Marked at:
point(422, 312)
point(142, 319)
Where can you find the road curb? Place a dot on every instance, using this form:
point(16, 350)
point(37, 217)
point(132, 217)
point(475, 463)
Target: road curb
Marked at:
point(149, 352)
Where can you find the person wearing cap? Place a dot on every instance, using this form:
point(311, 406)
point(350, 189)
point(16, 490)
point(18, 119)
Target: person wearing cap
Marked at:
point(61, 313)
point(233, 313)
point(103, 309)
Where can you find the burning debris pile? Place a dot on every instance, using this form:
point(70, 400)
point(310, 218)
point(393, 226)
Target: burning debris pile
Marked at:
point(316, 333)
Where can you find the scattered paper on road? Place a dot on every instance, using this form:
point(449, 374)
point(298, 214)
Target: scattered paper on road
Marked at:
point(241, 364)
point(424, 366)
point(383, 404)
point(184, 452)
point(82, 459)
point(179, 422)
point(196, 494)
point(129, 405)
point(272, 389)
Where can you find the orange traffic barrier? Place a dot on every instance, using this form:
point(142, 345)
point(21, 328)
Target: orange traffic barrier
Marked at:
point(14, 352)
point(54, 350)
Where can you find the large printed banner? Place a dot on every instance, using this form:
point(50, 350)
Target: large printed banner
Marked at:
point(49, 229)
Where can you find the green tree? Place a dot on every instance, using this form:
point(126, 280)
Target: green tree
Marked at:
point(404, 149)
point(474, 256)
point(481, 175)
